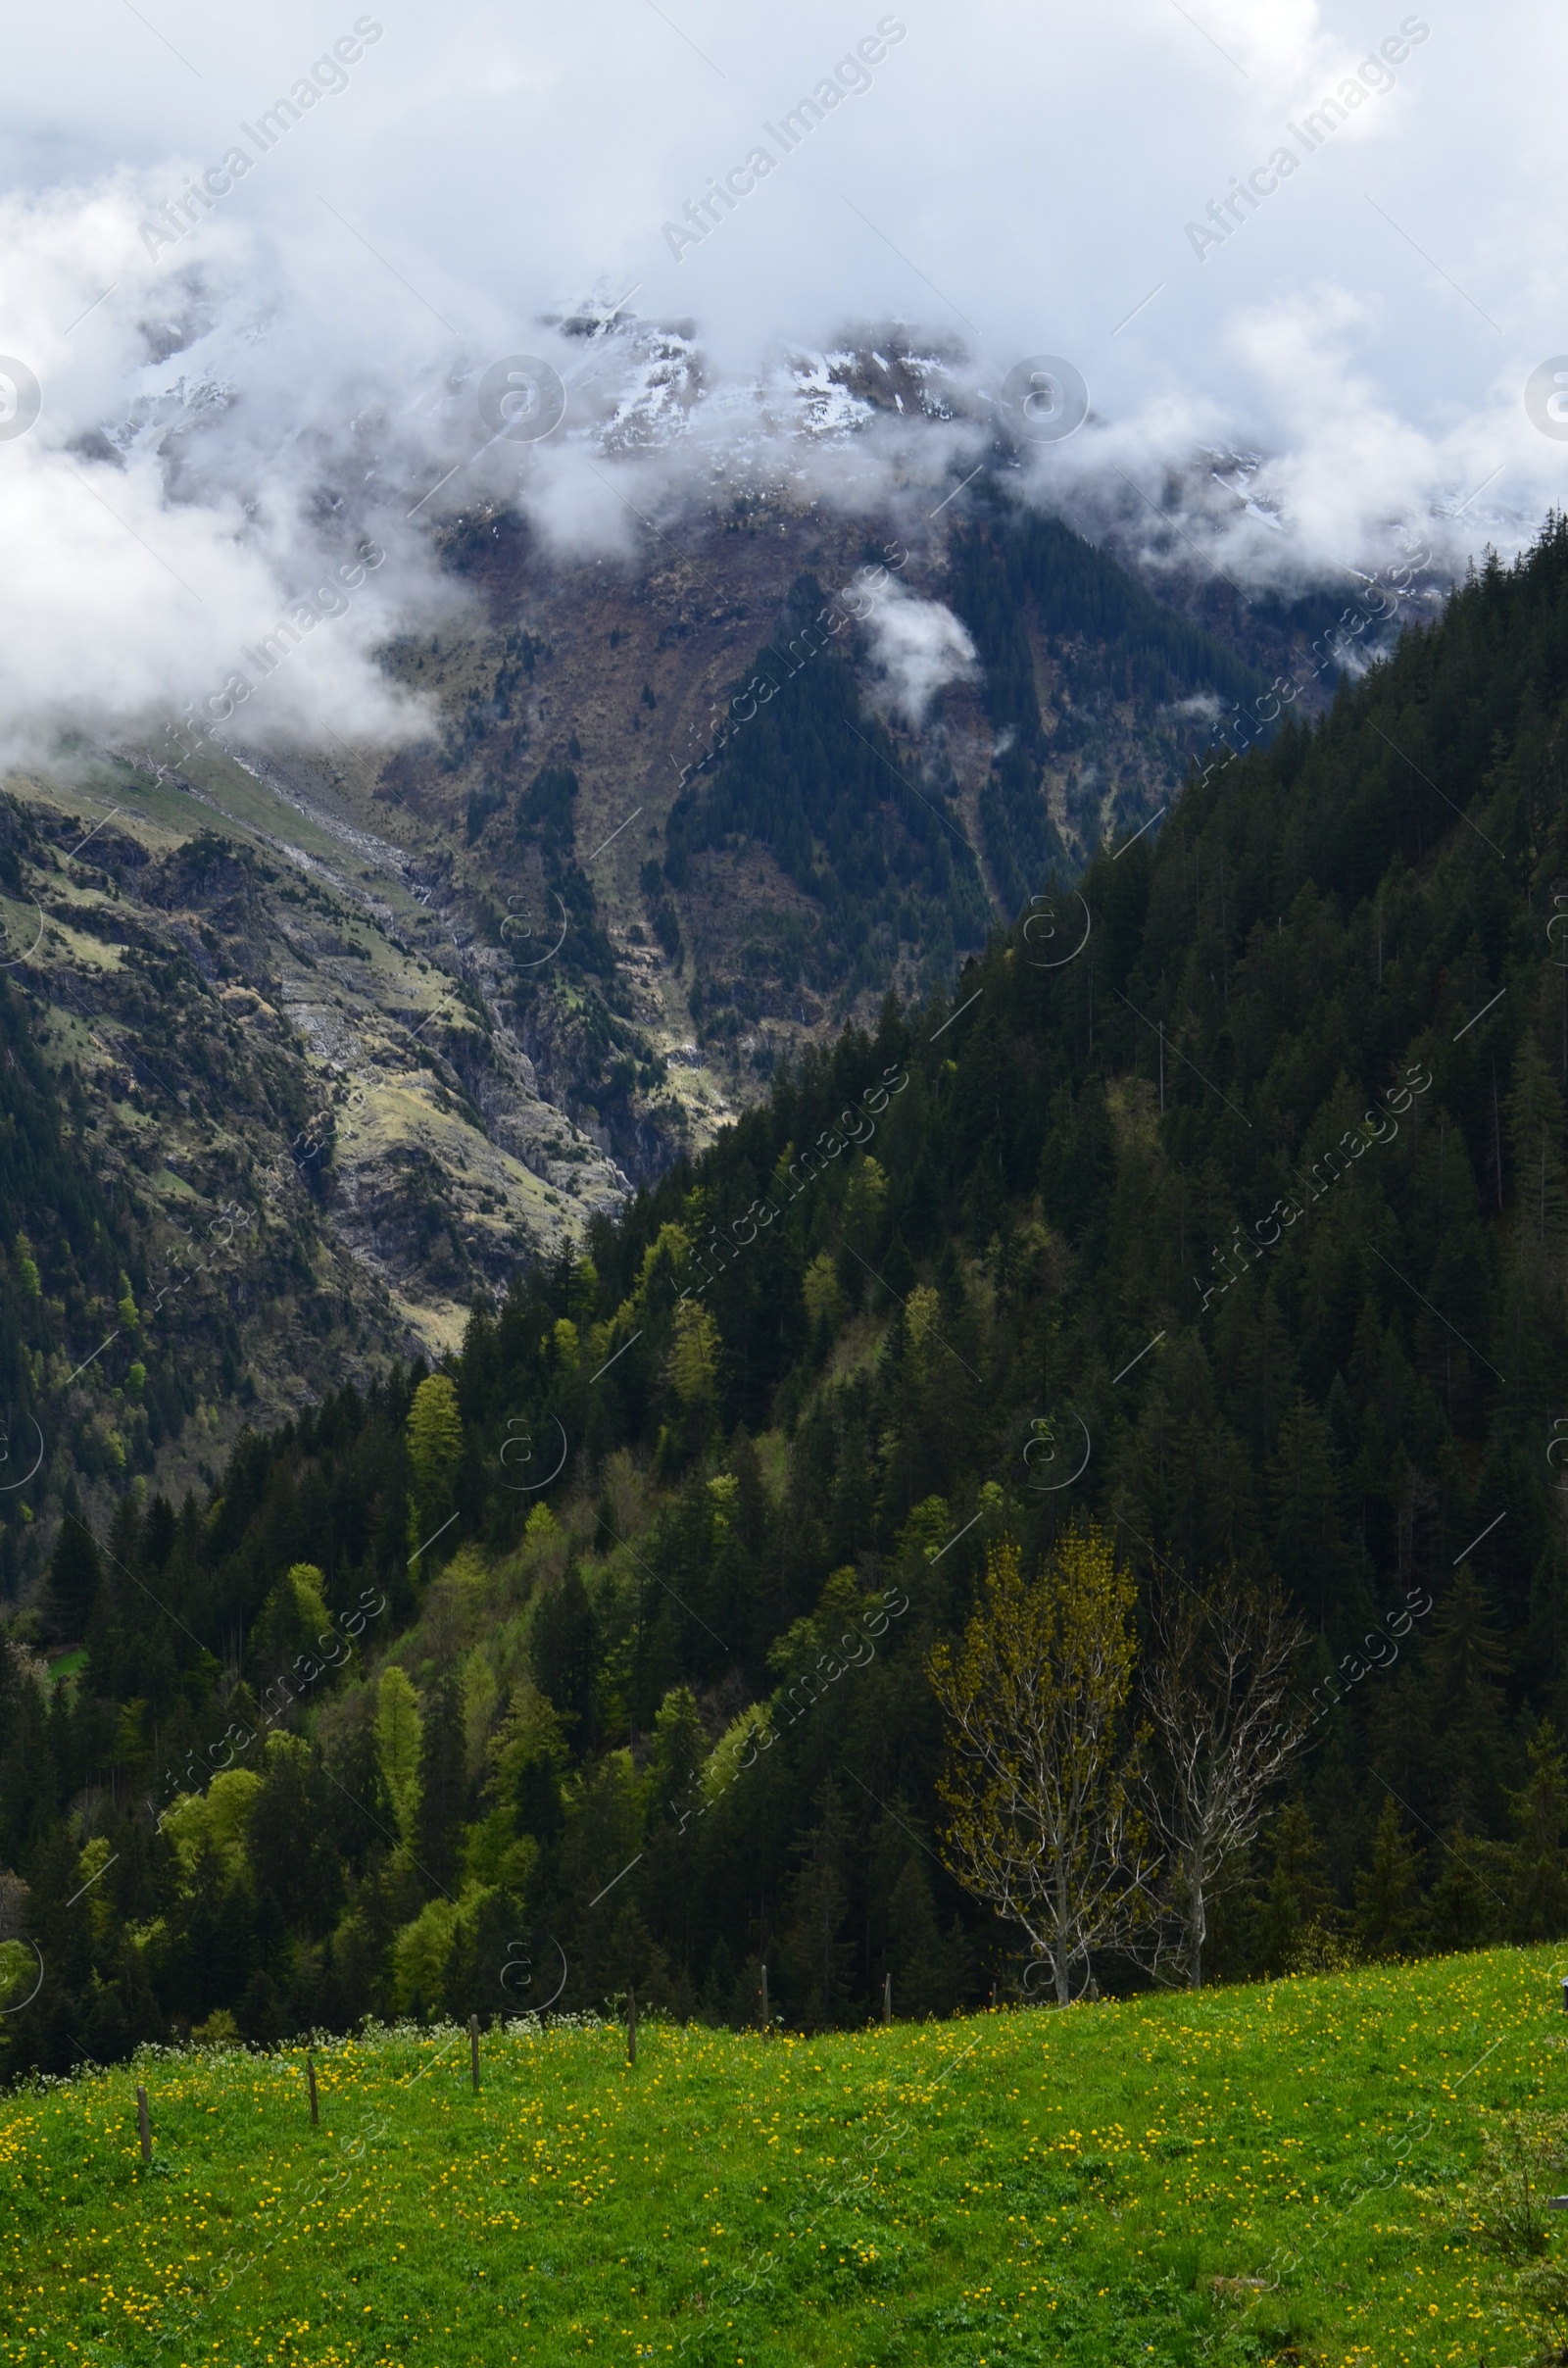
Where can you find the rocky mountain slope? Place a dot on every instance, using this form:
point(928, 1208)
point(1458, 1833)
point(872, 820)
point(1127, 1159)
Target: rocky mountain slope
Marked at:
point(375, 1025)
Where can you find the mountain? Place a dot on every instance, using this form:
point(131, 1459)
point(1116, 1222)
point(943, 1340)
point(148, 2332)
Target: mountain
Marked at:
point(372, 1026)
point(1234, 1178)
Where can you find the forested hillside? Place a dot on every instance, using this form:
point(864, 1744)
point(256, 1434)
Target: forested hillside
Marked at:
point(1222, 1203)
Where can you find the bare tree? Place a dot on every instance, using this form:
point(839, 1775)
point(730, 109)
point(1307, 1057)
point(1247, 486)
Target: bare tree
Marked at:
point(1216, 1702)
point(1042, 1776)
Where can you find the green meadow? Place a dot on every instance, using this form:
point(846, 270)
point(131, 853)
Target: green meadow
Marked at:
point(1274, 2172)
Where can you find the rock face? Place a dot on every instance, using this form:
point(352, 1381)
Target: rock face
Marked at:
point(416, 1014)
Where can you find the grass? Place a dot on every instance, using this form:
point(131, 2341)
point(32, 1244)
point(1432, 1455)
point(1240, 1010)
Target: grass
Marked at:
point(1009, 2188)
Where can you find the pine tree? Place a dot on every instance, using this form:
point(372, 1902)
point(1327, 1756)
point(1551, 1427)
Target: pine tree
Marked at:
point(292, 1850)
point(1301, 1898)
point(817, 1958)
point(1389, 1919)
point(566, 1654)
point(1308, 1547)
point(1467, 1903)
point(1466, 1663)
point(443, 1788)
point(291, 1620)
point(74, 1576)
point(1537, 1892)
point(679, 1749)
point(1537, 1131)
point(693, 1367)
point(917, 1957)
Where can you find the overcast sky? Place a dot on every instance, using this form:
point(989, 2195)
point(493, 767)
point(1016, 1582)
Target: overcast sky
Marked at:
point(1330, 235)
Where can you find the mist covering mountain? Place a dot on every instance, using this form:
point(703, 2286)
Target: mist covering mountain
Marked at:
point(420, 1008)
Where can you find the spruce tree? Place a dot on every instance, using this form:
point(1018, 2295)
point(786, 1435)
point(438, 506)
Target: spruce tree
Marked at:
point(1467, 1904)
point(1304, 1486)
point(1301, 1898)
point(817, 1958)
point(443, 1790)
point(1538, 1890)
point(1536, 1130)
point(1390, 1918)
point(74, 1576)
point(1465, 1664)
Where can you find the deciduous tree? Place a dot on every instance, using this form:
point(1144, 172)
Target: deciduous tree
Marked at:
point(1041, 1777)
point(1217, 1699)
point(399, 1738)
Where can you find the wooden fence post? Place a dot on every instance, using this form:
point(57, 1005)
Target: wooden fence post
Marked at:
point(768, 2020)
point(887, 1998)
point(144, 2125)
point(473, 2051)
point(631, 2025)
point(309, 2073)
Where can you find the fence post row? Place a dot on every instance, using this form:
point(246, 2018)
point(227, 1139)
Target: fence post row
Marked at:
point(144, 2125)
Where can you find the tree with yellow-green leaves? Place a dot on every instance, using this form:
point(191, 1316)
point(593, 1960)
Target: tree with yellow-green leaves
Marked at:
point(820, 1290)
point(435, 1447)
point(1041, 1771)
point(293, 1618)
point(399, 1742)
point(694, 1354)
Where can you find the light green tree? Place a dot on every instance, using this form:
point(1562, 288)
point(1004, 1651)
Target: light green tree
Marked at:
point(422, 1953)
point(694, 1354)
point(1042, 1776)
point(399, 1741)
point(419, 1955)
point(217, 1819)
point(864, 1205)
point(435, 1437)
point(292, 1618)
point(819, 1289)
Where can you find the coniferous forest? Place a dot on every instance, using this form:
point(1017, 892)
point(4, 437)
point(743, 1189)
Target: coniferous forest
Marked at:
point(1219, 1212)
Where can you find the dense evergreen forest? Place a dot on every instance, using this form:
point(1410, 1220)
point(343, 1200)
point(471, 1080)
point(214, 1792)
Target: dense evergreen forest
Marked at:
point(80, 1266)
point(1016, 575)
point(805, 771)
point(1222, 1202)
point(71, 1255)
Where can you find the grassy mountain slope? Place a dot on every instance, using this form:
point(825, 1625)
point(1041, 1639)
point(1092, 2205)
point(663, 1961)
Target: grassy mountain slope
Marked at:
point(1270, 2173)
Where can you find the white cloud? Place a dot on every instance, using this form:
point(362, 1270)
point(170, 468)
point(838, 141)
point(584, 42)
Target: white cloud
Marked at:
point(918, 645)
point(298, 370)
